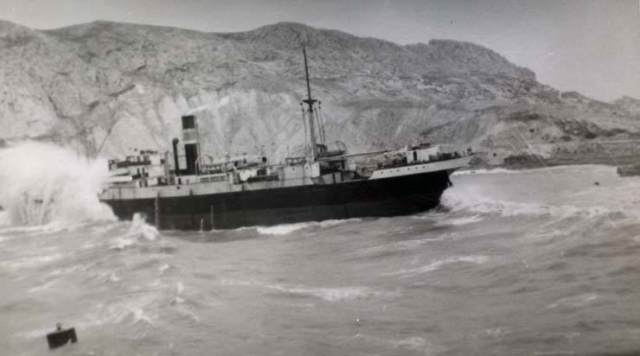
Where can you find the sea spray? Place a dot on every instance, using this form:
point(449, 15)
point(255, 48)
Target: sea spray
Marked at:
point(139, 231)
point(46, 184)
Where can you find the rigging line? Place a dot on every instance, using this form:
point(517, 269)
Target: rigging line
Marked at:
point(304, 122)
point(319, 126)
point(534, 153)
point(321, 119)
point(107, 136)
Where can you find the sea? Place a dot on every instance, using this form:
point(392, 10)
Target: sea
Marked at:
point(532, 262)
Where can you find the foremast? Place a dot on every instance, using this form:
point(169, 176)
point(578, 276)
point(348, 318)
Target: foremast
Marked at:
point(310, 104)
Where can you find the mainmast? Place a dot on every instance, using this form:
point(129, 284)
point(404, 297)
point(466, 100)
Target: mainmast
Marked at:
point(310, 102)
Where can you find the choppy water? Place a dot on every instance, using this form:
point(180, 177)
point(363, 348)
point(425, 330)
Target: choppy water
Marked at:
point(539, 262)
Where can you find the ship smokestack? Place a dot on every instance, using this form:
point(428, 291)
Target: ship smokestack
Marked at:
point(190, 139)
point(176, 162)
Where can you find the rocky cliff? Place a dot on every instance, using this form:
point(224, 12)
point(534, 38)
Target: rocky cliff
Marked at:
point(106, 87)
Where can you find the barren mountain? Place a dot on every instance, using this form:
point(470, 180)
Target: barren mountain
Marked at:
point(106, 87)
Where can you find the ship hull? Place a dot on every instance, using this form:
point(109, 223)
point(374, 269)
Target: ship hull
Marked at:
point(366, 198)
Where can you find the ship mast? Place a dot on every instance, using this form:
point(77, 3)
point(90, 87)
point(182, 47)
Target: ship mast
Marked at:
point(310, 102)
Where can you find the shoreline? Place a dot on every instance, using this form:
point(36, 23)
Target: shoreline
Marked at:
point(623, 170)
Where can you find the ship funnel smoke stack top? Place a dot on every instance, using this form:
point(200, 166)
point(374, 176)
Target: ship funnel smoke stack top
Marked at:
point(190, 138)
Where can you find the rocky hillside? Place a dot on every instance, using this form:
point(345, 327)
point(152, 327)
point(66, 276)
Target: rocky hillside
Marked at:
point(106, 87)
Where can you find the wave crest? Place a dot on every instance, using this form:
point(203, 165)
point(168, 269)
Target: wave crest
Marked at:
point(285, 229)
point(472, 201)
point(436, 265)
point(44, 184)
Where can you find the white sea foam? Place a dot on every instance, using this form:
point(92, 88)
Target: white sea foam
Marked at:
point(557, 192)
point(436, 265)
point(286, 229)
point(138, 234)
point(460, 221)
point(46, 184)
point(329, 223)
point(407, 245)
point(419, 344)
point(554, 353)
point(67, 270)
point(139, 231)
point(585, 168)
point(139, 227)
point(108, 277)
point(49, 229)
point(240, 282)
point(100, 230)
point(330, 294)
point(475, 201)
point(496, 333)
point(137, 308)
point(486, 171)
point(163, 268)
point(577, 301)
point(32, 261)
point(282, 229)
point(411, 343)
point(121, 243)
point(42, 287)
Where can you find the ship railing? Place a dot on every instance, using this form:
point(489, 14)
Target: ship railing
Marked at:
point(213, 178)
point(213, 169)
point(264, 178)
point(352, 155)
point(125, 164)
point(296, 160)
point(439, 157)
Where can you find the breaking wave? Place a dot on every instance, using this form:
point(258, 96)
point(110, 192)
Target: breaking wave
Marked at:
point(460, 221)
point(43, 184)
point(335, 294)
point(578, 301)
point(281, 229)
point(475, 202)
point(587, 168)
point(332, 294)
point(436, 265)
point(286, 229)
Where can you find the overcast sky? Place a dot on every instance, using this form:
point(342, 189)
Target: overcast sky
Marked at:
point(592, 46)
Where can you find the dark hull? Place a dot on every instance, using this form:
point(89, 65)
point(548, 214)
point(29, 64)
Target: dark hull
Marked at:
point(369, 198)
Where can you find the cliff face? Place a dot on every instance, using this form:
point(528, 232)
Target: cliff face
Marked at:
point(110, 87)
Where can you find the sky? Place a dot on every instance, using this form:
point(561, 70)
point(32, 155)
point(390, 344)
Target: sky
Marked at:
point(589, 46)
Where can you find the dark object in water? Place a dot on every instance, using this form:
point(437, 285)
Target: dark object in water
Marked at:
point(61, 337)
point(596, 183)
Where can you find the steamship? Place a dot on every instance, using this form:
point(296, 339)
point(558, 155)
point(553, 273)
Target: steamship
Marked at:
point(187, 190)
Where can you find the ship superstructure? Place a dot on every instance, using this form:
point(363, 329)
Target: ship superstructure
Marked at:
point(195, 191)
